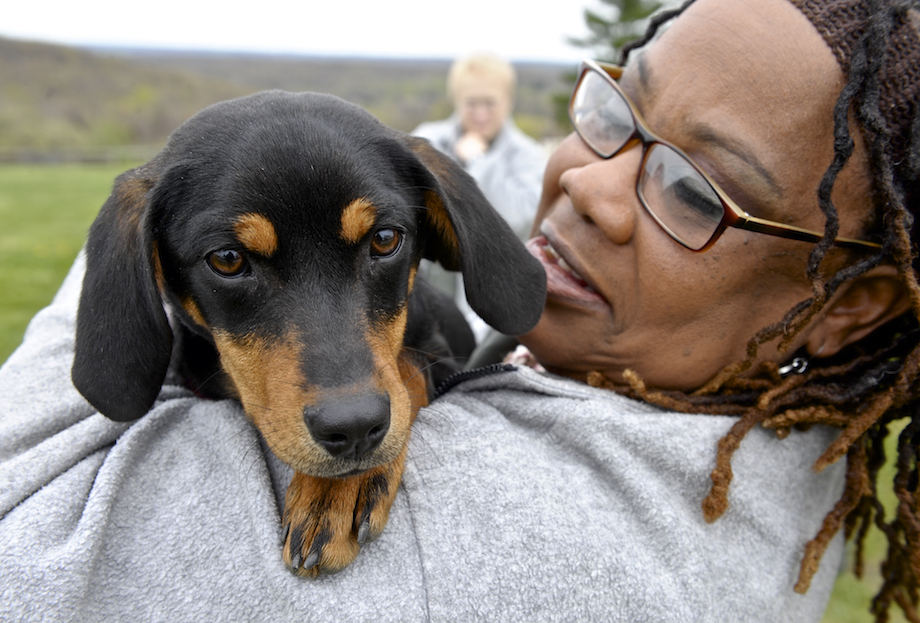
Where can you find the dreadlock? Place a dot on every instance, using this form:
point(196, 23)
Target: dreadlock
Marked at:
point(875, 382)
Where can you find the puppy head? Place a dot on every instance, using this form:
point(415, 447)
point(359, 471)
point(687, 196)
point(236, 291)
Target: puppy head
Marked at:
point(286, 231)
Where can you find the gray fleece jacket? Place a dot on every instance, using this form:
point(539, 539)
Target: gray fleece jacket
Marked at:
point(526, 498)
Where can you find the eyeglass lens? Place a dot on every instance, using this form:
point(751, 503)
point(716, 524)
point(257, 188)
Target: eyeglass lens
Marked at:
point(679, 198)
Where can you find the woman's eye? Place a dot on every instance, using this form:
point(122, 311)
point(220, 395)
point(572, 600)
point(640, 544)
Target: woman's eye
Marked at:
point(385, 242)
point(699, 198)
point(227, 262)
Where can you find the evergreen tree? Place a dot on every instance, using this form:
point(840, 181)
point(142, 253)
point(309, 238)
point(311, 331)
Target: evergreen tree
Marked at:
point(627, 21)
point(623, 21)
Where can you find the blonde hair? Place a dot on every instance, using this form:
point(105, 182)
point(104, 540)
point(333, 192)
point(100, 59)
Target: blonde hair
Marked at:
point(483, 66)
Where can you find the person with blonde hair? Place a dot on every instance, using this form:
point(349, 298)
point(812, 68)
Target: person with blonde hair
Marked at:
point(482, 136)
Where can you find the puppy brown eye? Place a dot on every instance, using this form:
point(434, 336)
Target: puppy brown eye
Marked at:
point(227, 262)
point(385, 242)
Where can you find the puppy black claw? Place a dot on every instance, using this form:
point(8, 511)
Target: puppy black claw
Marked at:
point(364, 530)
point(311, 560)
point(296, 545)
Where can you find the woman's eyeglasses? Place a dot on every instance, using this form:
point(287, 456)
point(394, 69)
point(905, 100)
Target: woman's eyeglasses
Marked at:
point(684, 201)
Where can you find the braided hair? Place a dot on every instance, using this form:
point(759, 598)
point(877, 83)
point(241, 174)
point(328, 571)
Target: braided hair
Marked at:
point(871, 384)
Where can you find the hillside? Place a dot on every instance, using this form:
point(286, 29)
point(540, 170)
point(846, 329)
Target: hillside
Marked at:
point(58, 100)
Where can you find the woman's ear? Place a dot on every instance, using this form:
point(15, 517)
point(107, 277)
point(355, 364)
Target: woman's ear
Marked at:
point(857, 309)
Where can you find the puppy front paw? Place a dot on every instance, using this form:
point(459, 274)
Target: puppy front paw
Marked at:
point(327, 520)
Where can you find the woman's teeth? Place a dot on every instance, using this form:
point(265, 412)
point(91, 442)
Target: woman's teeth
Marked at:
point(561, 263)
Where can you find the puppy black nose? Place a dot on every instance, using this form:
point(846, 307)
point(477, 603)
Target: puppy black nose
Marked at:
point(350, 427)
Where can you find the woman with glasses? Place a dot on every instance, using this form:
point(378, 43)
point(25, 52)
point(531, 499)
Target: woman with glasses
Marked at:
point(730, 333)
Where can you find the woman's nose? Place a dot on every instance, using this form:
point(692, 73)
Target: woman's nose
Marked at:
point(604, 191)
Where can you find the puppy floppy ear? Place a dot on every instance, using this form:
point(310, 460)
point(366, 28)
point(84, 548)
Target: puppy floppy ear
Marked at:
point(504, 284)
point(124, 341)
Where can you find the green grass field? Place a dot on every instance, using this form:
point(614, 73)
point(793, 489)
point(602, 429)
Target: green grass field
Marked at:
point(45, 212)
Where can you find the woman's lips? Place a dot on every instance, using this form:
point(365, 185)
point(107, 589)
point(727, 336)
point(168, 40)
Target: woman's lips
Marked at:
point(562, 281)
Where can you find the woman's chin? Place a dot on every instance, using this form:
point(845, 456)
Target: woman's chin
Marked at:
point(555, 350)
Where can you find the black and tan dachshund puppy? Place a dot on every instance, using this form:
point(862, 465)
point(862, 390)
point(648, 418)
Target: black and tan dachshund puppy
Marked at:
point(270, 253)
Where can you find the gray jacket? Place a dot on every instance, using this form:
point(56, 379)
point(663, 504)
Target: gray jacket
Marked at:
point(526, 498)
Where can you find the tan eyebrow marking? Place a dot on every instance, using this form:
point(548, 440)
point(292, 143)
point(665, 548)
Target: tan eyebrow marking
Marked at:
point(257, 234)
point(357, 219)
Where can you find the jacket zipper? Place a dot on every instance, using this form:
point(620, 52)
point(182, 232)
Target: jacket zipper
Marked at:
point(467, 375)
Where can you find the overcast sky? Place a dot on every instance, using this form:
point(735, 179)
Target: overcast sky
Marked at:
point(516, 29)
